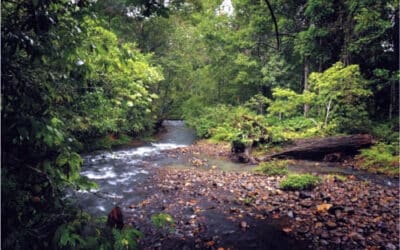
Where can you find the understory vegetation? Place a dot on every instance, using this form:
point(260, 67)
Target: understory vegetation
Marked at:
point(85, 232)
point(276, 167)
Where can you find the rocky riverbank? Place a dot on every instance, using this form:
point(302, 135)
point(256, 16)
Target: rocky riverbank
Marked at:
point(214, 209)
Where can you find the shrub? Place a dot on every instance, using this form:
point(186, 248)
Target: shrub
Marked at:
point(380, 158)
point(226, 123)
point(299, 182)
point(205, 119)
point(85, 232)
point(163, 221)
point(341, 95)
point(277, 167)
point(387, 132)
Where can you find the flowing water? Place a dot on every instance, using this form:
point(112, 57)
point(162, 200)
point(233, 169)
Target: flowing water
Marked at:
point(124, 178)
point(122, 175)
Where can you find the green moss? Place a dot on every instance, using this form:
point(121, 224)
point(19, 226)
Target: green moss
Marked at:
point(299, 182)
point(276, 167)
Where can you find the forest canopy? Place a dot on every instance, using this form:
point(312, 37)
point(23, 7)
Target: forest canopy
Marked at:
point(83, 75)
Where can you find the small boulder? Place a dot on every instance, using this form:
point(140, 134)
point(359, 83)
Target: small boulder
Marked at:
point(330, 225)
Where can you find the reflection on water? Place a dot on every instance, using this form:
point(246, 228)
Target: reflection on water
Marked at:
point(121, 174)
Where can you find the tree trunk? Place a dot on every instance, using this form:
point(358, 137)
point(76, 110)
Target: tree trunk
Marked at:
point(242, 153)
point(328, 109)
point(317, 149)
point(306, 73)
point(392, 90)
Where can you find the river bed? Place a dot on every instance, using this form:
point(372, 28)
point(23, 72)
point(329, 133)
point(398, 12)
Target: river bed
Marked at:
point(212, 204)
point(121, 173)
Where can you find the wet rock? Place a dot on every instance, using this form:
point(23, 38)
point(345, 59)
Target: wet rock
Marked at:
point(383, 227)
point(243, 225)
point(324, 207)
point(333, 209)
point(337, 241)
point(306, 203)
point(349, 210)
point(330, 225)
point(338, 214)
point(303, 229)
point(324, 242)
point(326, 198)
point(304, 195)
point(390, 246)
point(179, 235)
point(345, 225)
point(356, 236)
point(324, 235)
point(318, 225)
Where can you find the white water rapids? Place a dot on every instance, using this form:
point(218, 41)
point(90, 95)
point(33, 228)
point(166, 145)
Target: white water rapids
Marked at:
point(120, 173)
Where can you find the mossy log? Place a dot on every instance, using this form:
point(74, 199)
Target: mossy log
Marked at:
point(323, 148)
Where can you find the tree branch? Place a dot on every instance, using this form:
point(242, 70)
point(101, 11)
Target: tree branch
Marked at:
point(275, 23)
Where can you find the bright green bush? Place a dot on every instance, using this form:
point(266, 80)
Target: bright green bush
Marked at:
point(236, 125)
point(205, 119)
point(341, 98)
point(286, 103)
point(299, 182)
point(294, 128)
point(276, 167)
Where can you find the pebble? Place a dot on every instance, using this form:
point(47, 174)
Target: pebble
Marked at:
point(349, 224)
point(331, 225)
point(356, 236)
point(349, 210)
point(306, 204)
point(303, 195)
point(243, 225)
point(390, 246)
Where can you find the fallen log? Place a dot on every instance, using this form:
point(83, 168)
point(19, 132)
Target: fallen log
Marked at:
point(324, 148)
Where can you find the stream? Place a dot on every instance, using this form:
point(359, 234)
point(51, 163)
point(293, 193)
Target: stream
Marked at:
point(125, 178)
point(121, 173)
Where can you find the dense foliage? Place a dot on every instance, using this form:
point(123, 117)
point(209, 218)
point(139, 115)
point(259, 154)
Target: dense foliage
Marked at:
point(79, 75)
point(334, 73)
point(66, 79)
